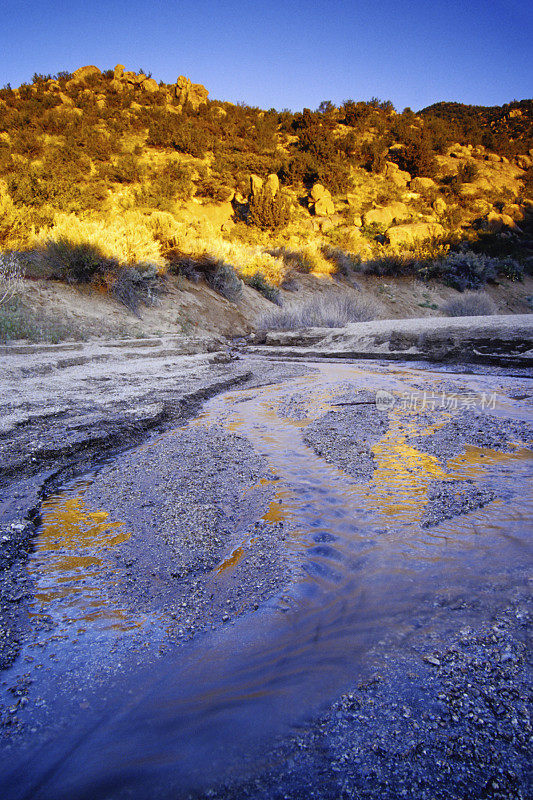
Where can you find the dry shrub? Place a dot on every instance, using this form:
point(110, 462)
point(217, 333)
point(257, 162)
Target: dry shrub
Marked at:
point(11, 273)
point(322, 313)
point(470, 304)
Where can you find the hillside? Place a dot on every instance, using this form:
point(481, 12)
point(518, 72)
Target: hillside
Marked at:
point(120, 183)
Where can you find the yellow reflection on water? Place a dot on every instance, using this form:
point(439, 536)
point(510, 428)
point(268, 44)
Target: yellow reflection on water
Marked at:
point(65, 559)
point(403, 473)
point(68, 523)
point(232, 560)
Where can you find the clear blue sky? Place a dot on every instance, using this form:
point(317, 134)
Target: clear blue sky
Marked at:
point(286, 53)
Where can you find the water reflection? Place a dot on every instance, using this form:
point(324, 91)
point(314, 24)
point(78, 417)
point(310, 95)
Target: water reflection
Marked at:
point(69, 560)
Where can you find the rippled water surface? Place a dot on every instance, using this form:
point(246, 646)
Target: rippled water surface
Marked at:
point(369, 570)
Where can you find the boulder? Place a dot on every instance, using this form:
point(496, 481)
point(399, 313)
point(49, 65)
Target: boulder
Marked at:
point(118, 72)
point(256, 185)
point(524, 162)
point(324, 207)
point(498, 222)
point(318, 191)
point(397, 176)
point(65, 99)
point(149, 85)
point(422, 185)
point(414, 232)
point(378, 216)
point(514, 211)
point(481, 207)
point(386, 215)
point(271, 184)
point(130, 77)
point(117, 85)
point(326, 224)
point(81, 74)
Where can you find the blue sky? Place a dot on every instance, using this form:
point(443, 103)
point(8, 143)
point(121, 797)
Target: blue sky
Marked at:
point(286, 53)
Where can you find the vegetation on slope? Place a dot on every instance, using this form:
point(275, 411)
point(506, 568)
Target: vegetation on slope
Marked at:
point(112, 178)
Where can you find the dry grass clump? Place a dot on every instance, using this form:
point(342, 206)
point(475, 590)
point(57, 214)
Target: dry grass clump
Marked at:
point(321, 313)
point(11, 273)
point(470, 304)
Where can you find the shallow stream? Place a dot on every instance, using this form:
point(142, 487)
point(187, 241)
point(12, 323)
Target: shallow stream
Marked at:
point(370, 574)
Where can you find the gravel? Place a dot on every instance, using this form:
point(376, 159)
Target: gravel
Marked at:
point(449, 499)
point(473, 428)
point(345, 437)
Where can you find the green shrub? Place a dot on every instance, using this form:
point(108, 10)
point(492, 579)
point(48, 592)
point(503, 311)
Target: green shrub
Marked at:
point(267, 212)
point(225, 281)
point(258, 282)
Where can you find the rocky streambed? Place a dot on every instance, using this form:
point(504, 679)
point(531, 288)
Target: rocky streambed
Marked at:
point(312, 583)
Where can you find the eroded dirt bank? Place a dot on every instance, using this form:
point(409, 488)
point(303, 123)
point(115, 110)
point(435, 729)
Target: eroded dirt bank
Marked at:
point(338, 559)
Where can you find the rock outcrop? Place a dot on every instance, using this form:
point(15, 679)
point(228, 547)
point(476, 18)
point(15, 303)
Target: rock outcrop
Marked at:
point(81, 74)
point(183, 91)
point(402, 235)
point(384, 216)
point(397, 176)
point(188, 92)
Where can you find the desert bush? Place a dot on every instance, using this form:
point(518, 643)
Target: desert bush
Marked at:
point(470, 304)
point(127, 169)
point(226, 282)
point(294, 260)
point(70, 261)
point(322, 313)
point(127, 237)
point(172, 182)
point(468, 172)
point(344, 263)
point(217, 273)
point(468, 270)
point(417, 156)
point(138, 285)
point(267, 212)
point(374, 154)
point(258, 282)
point(527, 179)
